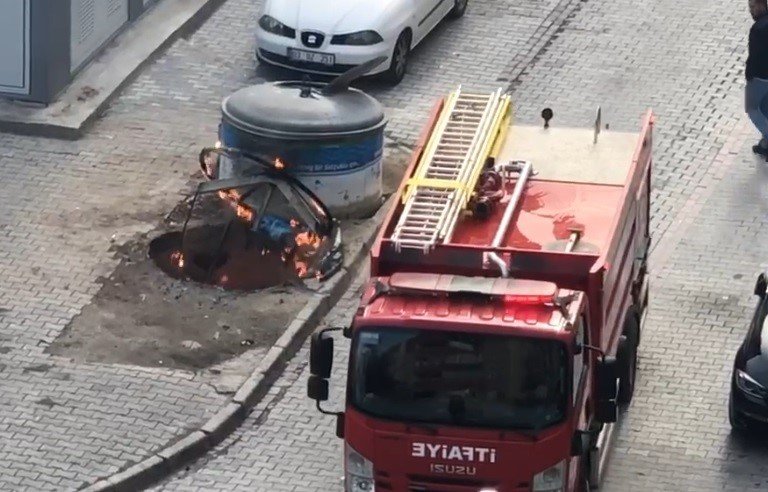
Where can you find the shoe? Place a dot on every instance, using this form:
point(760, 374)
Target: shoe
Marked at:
point(760, 150)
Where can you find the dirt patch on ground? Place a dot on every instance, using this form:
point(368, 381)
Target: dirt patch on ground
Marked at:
point(141, 316)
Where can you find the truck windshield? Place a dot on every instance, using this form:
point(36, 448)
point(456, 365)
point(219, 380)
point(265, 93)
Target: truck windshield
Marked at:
point(464, 379)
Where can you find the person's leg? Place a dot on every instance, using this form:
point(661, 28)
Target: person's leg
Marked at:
point(764, 112)
point(756, 103)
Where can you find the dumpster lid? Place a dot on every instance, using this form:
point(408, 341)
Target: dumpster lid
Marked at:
point(297, 108)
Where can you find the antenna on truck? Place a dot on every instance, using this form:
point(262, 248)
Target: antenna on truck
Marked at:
point(573, 239)
point(598, 123)
point(547, 114)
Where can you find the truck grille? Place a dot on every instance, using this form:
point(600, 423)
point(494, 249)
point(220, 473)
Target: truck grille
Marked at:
point(383, 481)
point(432, 484)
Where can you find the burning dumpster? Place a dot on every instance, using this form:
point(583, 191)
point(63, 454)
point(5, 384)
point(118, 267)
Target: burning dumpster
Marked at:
point(289, 155)
point(253, 231)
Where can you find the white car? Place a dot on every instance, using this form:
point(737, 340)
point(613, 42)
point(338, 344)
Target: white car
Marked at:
point(329, 37)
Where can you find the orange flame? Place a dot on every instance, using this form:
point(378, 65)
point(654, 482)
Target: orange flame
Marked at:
point(244, 212)
point(301, 268)
point(279, 163)
point(178, 258)
point(308, 238)
point(307, 241)
point(307, 244)
point(232, 197)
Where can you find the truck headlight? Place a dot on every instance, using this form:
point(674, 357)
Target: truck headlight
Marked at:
point(749, 386)
point(270, 24)
point(359, 472)
point(550, 480)
point(360, 38)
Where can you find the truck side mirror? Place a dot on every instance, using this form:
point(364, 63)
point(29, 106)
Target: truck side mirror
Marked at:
point(321, 354)
point(606, 411)
point(760, 286)
point(607, 374)
point(317, 388)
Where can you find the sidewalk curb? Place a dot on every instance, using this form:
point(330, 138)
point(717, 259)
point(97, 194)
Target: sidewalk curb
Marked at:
point(115, 67)
point(192, 446)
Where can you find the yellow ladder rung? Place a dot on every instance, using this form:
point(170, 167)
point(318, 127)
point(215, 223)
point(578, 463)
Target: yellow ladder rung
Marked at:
point(449, 184)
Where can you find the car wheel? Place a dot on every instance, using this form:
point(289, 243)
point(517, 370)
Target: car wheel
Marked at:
point(738, 424)
point(399, 62)
point(628, 362)
point(459, 7)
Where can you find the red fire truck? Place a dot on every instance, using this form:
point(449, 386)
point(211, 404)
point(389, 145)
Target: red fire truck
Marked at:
point(498, 333)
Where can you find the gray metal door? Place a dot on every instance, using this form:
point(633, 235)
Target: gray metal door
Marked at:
point(14, 46)
point(93, 23)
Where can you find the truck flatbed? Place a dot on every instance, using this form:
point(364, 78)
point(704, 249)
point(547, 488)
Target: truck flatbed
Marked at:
point(578, 185)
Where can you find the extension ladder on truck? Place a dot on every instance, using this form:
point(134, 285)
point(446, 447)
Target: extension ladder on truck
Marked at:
point(469, 129)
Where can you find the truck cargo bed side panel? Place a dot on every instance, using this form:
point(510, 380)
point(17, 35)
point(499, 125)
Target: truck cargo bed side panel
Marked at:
point(617, 267)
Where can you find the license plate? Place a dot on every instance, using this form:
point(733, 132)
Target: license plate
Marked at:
point(311, 56)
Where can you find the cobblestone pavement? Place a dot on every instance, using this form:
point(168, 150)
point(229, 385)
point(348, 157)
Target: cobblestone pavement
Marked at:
point(64, 423)
point(683, 58)
point(66, 204)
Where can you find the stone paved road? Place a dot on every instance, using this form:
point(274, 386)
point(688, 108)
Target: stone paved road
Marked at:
point(66, 204)
point(683, 58)
point(64, 423)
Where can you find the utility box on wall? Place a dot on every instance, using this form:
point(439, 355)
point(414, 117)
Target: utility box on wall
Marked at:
point(45, 43)
point(14, 47)
point(92, 23)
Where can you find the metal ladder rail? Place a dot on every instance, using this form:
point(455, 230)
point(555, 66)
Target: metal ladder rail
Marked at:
point(470, 141)
point(469, 167)
point(442, 190)
point(441, 167)
point(432, 142)
point(423, 230)
point(488, 134)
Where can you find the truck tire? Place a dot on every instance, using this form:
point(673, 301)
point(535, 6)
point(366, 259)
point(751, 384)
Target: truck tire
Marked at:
point(627, 355)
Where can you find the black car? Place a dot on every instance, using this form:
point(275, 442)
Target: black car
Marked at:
point(748, 402)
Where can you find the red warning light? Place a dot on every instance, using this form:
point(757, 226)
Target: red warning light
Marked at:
point(528, 299)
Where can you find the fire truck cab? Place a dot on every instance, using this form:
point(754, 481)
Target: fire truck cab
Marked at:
point(498, 332)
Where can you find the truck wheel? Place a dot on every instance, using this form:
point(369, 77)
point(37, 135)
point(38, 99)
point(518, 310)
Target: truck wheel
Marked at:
point(628, 361)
